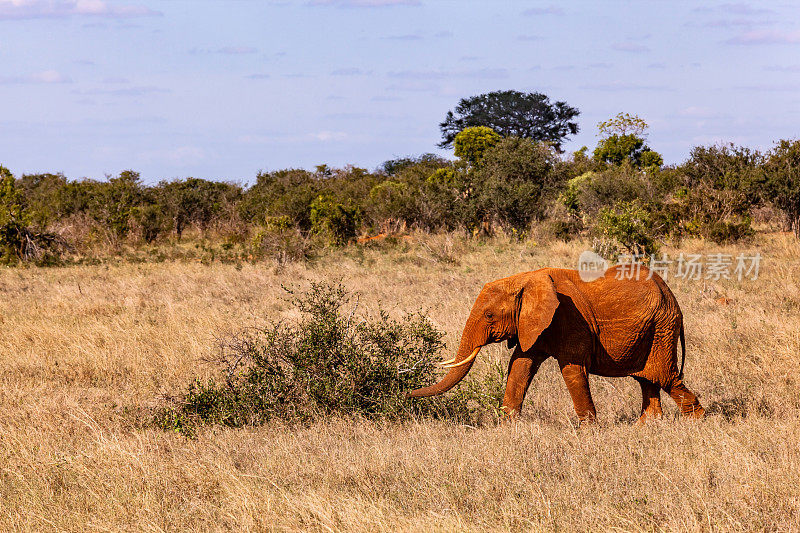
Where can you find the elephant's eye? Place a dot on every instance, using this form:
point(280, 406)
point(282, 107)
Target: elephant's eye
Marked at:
point(489, 315)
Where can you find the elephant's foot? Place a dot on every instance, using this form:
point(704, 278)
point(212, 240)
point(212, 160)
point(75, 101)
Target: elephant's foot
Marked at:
point(651, 401)
point(687, 402)
point(648, 416)
point(508, 415)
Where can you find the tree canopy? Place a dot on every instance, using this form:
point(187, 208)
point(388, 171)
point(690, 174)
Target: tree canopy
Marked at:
point(512, 113)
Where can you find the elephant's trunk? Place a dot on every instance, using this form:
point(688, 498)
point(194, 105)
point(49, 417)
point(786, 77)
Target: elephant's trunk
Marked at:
point(458, 369)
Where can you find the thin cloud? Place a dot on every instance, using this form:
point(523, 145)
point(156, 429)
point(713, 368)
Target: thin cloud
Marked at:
point(43, 77)
point(485, 73)
point(59, 9)
point(529, 38)
point(140, 90)
point(258, 76)
point(764, 37)
point(550, 10)
point(634, 48)
point(353, 71)
point(736, 9)
point(657, 66)
point(620, 86)
point(329, 136)
point(404, 37)
point(783, 68)
point(737, 23)
point(699, 112)
point(237, 50)
point(363, 3)
point(600, 65)
point(772, 87)
point(225, 50)
point(181, 156)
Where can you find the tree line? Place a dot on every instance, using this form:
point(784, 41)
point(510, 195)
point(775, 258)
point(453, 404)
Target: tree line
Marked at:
point(503, 178)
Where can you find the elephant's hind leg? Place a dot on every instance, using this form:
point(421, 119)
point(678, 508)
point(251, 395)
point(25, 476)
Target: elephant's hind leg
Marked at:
point(662, 369)
point(686, 400)
point(651, 400)
point(577, 379)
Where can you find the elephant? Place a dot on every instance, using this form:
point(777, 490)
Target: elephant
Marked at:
point(615, 325)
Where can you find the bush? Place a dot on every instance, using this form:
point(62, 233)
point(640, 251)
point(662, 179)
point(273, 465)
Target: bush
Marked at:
point(18, 241)
point(389, 200)
point(513, 179)
point(629, 225)
point(336, 222)
point(331, 362)
point(472, 143)
point(280, 241)
point(783, 175)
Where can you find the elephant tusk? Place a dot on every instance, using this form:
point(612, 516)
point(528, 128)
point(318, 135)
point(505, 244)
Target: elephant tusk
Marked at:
point(448, 362)
point(465, 361)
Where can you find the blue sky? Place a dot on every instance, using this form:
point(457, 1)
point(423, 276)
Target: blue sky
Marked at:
point(221, 90)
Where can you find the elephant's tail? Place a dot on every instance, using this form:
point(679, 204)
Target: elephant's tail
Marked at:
point(683, 352)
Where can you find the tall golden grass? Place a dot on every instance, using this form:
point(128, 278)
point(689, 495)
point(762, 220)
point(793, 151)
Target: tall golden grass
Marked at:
point(86, 348)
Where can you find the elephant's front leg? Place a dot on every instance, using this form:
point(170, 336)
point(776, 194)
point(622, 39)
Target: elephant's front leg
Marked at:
point(577, 379)
point(521, 370)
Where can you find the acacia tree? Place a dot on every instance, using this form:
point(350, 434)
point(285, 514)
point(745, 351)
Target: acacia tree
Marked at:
point(622, 138)
point(512, 113)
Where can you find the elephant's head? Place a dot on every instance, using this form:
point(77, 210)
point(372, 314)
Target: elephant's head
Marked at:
point(514, 309)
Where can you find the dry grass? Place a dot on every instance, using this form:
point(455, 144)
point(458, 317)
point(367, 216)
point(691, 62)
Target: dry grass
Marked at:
point(83, 345)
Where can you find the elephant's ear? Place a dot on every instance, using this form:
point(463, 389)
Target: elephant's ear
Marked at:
point(537, 301)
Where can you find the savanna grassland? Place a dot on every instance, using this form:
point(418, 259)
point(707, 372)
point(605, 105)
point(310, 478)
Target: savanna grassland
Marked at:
point(88, 350)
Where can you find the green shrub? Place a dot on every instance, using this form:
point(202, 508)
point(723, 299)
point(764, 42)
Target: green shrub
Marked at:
point(650, 159)
point(509, 187)
point(728, 231)
point(389, 200)
point(331, 362)
point(471, 143)
point(783, 181)
point(336, 222)
point(18, 241)
point(280, 241)
point(628, 224)
point(616, 149)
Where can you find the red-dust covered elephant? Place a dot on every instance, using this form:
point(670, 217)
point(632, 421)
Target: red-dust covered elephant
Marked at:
point(621, 324)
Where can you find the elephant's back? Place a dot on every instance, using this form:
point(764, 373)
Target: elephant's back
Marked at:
point(627, 309)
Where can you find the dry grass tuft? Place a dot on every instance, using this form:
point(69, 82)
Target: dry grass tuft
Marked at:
point(85, 347)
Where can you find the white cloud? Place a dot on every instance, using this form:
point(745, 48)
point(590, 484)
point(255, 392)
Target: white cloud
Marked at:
point(38, 9)
point(623, 86)
point(236, 50)
point(229, 50)
point(328, 136)
point(698, 112)
point(635, 48)
point(139, 90)
point(484, 73)
point(45, 76)
point(351, 71)
point(364, 3)
point(759, 37)
point(550, 10)
point(181, 156)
